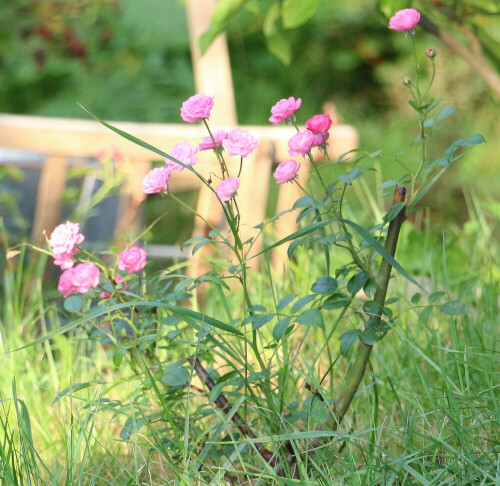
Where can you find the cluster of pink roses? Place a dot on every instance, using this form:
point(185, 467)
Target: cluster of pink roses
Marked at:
point(237, 142)
point(64, 242)
point(316, 134)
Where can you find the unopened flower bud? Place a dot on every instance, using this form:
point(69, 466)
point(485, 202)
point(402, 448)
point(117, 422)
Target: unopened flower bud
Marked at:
point(406, 81)
point(431, 53)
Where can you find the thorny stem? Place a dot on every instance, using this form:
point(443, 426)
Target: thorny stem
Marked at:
point(357, 370)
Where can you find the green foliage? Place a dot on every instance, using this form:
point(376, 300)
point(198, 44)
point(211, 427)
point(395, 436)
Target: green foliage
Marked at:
point(261, 365)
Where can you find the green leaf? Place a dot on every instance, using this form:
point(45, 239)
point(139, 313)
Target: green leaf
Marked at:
point(284, 301)
point(382, 251)
point(347, 340)
point(147, 146)
point(174, 375)
point(415, 299)
point(412, 207)
point(302, 302)
point(425, 314)
point(199, 245)
point(225, 11)
point(325, 285)
point(370, 288)
point(118, 356)
point(262, 320)
point(132, 426)
point(354, 174)
point(303, 202)
point(336, 301)
point(280, 46)
point(297, 234)
point(215, 392)
point(435, 296)
point(371, 308)
point(73, 303)
point(281, 327)
point(475, 139)
point(446, 112)
point(368, 337)
point(311, 318)
point(454, 308)
point(394, 211)
point(357, 282)
point(297, 12)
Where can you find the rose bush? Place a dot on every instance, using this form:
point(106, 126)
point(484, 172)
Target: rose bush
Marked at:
point(159, 328)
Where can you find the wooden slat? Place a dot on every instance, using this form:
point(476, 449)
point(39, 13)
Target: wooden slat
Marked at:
point(253, 194)
point(48, 200)
point(212, 76)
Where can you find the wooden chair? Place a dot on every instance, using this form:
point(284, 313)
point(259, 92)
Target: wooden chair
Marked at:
point(61, 139)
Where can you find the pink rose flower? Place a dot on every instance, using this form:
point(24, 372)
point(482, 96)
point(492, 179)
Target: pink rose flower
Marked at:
point(85, 276)
point(404, 20)
point(301, 143)
point(196, 108)
point(156, 181)
point(132, 260)
point(240, 142)
point(227, 188)
point(184, 153)
point(66, 282)
point(431, 53)
point(63, 242)
point(319, 123)
point(320, 139)
point(284, 109)
point(208, 143)
point(286, 171)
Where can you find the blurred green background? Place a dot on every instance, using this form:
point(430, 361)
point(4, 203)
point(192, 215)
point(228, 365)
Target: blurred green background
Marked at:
point(129, 60)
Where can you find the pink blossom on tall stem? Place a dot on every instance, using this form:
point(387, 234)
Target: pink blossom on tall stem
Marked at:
point(286, 171)
point(227, 188)
point(404, 20)
point(207, 142)
point(85, 276)
point(197, 107)
point(284, 109)
point(319, 123)
point(63, 242)
point(156, 180)
point(133, 259)
point(240, 142)
point(183, 152)
point(301, 143)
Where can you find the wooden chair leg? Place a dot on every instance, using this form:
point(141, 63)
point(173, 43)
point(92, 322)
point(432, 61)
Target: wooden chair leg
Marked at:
point(48, 201)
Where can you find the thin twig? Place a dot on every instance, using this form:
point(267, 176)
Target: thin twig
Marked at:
point(222, 402)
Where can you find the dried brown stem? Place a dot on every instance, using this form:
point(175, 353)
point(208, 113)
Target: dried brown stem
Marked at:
point(222, 402)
